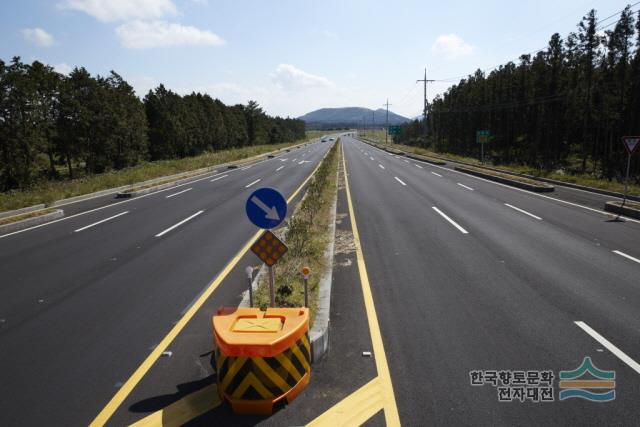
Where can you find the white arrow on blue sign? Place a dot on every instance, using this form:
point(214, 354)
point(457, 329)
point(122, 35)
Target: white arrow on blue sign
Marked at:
point(266, 208)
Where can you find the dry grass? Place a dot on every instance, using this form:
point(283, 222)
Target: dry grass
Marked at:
point(307, 236)
point(56, 190)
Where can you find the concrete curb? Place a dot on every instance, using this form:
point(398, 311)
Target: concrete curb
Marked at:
point(319, 333)
point(542, 188)
point(30, 222)
point(615, 207)
point(22, 211)
point(426, 159)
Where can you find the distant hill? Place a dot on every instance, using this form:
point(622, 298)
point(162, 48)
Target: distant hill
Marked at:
point(349, 117)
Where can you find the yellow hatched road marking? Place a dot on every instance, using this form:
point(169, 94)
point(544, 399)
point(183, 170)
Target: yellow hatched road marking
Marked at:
point(355, 409)
point(141, 371)
point(183, 410)
point(384, 377)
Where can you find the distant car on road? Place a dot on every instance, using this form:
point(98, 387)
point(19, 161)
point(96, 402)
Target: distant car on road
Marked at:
point(332, 139)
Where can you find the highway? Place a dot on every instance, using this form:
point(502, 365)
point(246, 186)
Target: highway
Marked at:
point(84, 299)
point(468, 274)
point(465, 274)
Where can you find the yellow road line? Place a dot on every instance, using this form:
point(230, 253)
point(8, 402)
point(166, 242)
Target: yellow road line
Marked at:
point(355, 409)
point(183, 410)
point(140, 372)
point(390, 409)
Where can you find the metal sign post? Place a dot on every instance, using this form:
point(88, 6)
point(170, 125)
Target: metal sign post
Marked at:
point(482, 137)
point(631, 143)
point(272, 287)
point(305, 277)
point(249, 271)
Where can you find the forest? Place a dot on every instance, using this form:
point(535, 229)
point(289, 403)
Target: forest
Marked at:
point(563, 108)
point(57, 127)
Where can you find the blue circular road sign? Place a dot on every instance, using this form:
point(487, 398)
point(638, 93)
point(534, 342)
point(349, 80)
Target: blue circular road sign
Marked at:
point(266, 208)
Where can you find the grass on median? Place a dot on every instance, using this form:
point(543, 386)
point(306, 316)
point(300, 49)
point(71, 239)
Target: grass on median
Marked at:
point(307, 236)
point(56, 190)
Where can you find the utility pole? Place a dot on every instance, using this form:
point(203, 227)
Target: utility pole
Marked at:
point(424, 111)
point(386, 131)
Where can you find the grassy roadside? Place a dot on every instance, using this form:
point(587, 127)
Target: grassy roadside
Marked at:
point(57, 190)
point(307, 236)
point(580, 179)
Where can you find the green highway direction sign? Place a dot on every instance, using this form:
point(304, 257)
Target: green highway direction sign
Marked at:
point(394, 130)
point(482, 136)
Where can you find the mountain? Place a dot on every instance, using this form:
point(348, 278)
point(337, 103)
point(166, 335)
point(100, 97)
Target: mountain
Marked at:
point(350, 117)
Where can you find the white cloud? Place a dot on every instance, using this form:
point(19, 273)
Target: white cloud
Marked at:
point(288, 77)
point(142, 35)
point(37, 36)
point(63, 68)
point(122, 10)
point(451, 46)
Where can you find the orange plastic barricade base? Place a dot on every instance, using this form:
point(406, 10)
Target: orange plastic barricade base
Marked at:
point(262, 357)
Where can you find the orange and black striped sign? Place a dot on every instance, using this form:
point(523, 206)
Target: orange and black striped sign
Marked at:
point(263, 378)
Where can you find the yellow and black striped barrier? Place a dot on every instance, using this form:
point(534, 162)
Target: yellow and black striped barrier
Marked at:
point(262, 357)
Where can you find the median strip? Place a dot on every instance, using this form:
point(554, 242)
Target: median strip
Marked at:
point(162, 233)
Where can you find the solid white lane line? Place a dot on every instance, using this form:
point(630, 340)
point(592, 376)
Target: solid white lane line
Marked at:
point(162, 233)
point(245, 168)
point(452, 222)
point(101, 221)
point(437, 174)
point(464, 186)
point(612, 348)
point(399, 180)
point(523, 211)
point(627, 256)
point(254, 182)
point(418, 166)
point(381, 167)
point(179, 192)
point(279, 168)
point(220, 177)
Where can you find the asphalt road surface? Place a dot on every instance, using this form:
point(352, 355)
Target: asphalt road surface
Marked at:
point(469, 275)
point(82, 300)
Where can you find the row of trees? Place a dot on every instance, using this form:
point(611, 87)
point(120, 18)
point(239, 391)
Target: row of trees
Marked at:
point(80, 124)
point(565, 107)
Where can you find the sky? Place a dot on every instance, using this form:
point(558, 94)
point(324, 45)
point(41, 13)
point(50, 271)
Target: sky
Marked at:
point(291, 57)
